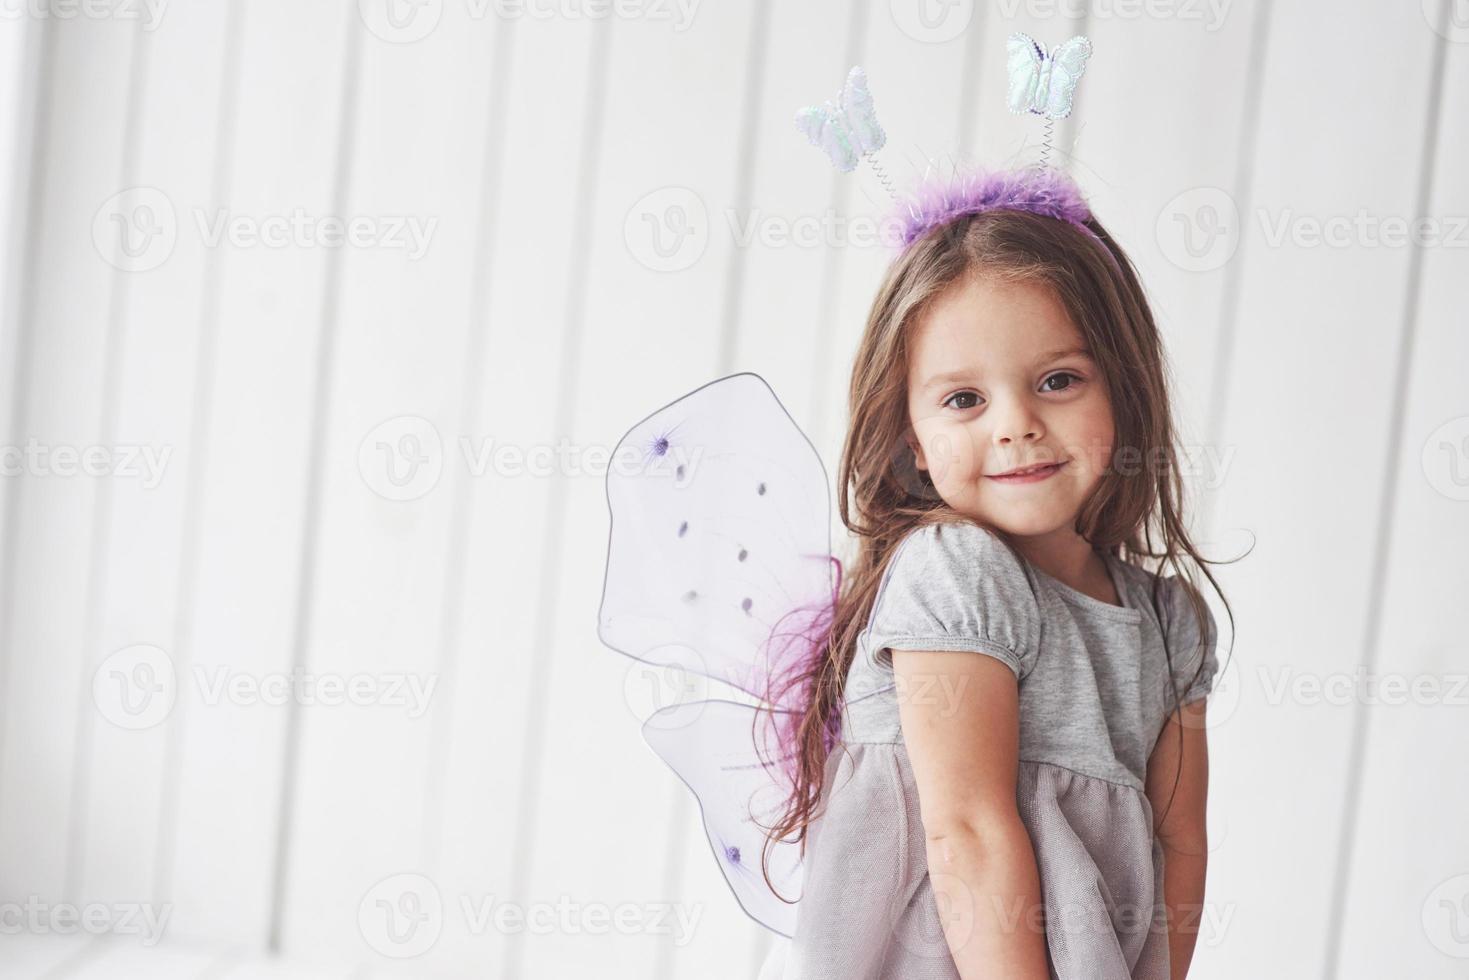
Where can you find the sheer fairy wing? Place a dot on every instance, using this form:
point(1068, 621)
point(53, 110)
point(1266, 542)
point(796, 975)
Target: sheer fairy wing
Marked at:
point(719, 562)
point(709, 744)
point(720, 536)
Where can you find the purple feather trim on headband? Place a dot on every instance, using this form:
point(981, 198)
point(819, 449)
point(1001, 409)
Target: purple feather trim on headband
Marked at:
point(937, 201)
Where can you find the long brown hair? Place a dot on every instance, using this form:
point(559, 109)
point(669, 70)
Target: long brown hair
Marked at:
point(1134, 511)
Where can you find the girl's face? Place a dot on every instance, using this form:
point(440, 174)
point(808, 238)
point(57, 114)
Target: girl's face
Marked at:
point(999, 379)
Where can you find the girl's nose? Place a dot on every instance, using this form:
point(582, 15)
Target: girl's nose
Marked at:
point(1015, 421)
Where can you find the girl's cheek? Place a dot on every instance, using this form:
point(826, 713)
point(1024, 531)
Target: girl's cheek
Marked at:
point(1096, 451)
point(949, 449)
point(1099, 447)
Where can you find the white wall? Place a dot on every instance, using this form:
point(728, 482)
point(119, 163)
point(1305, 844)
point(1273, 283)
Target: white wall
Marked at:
point(309, 406)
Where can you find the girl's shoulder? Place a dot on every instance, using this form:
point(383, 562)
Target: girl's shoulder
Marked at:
point(956, 586)
point(959, 547)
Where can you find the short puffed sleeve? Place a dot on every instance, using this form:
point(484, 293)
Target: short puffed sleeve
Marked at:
point(1188, 645)
point(955, 586)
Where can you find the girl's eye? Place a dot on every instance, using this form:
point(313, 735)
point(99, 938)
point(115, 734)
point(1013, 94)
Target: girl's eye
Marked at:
point(961, 394)
point(1061, 374)
point(1068, 383)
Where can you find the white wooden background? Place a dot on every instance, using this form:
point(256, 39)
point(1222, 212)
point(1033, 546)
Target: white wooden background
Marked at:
point(297, 387)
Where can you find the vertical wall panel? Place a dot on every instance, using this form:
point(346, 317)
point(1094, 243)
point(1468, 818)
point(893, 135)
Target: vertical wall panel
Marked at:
point(220, 827)
point(374, 578)
point(1143, 183)
point(1404, 902)
point(1306, 420)
point(22, 48)
point(50, 518)
point(527, 299)
point(1136, 173)
point(156, 332)
point(652, 170)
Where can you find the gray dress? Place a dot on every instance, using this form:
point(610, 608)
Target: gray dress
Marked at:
point(1094, 693)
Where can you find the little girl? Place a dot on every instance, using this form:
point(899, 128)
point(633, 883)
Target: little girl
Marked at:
point(1019, 786)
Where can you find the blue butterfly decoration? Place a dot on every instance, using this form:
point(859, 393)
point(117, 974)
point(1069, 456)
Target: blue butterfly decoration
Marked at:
point(1044, 84)
point(847, 129)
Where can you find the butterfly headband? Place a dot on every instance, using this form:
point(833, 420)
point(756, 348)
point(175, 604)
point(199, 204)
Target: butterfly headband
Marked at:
point(1040, 83)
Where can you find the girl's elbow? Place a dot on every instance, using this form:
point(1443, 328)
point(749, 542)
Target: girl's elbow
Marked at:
point(1190, 841)
point(1000, 830)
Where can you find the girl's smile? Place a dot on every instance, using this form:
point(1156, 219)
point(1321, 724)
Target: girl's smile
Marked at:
point(1028, 474)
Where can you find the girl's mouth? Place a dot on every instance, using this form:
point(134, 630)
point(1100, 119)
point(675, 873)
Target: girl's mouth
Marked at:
point(1033, 475)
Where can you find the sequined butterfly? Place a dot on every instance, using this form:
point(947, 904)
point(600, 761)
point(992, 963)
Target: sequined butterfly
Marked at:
point(848, 129)
point(1044, 84)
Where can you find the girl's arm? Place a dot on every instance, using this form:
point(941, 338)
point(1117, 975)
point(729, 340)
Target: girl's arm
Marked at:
point(1181, 830)
point(961, 721)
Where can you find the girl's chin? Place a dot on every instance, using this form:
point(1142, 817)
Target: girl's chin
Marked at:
point(1025, 522)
